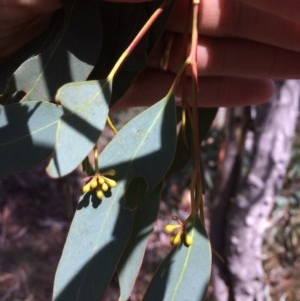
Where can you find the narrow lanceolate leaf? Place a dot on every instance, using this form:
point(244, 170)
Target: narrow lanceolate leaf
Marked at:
point(85, 106)
point(143, 225)
point(185, 273)
point(145, 146)
point(27, 134)
point(71, 54)
point(95, 242)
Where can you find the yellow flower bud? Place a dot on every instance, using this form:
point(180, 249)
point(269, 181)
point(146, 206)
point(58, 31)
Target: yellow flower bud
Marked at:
point(110, 182)
point(104, 187)
point(176, 239)
point(99, 194)
point(86, 188)
point(110, 172)
point(100, 180)
point(170, 228)
point(188, 241)
point(94, 183)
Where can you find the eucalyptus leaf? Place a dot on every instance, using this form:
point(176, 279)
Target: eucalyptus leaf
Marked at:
point(85, 106)
point(206, 118)
point(143, 226)
point(145, 146)
point(185, 273)
point(95, 242)
point(98, 236)
point(185, 137)
point(27, 134)
point(70, 56)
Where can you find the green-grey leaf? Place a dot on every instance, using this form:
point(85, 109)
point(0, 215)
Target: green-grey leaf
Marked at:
point(27, 134)
point(95, 242)
point(185, 273)
point(71, 56)
point(85, 107)
point(145, 146)
point(97, 237)
point(132, 258)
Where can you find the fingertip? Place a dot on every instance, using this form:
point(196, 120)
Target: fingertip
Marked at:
point(258, 91)
point(233, 92)
point(267, 89)
point(152, 85)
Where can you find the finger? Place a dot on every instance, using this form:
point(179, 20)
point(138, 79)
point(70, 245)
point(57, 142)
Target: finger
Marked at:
point(20, 35)
point(233, 18)
point(15, 13)
point(152, 85)
point(37, 6)
point(244, 58)
point(289, 9)
point(233, 57)
point(129, 1)
point(22, 21)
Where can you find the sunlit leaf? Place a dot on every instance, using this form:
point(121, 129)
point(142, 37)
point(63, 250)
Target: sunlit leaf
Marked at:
point(185, 273)
point(144, 146)
point(85, 107)
point(98, 236)
point(27, 134)
point(95, 242)
point(71, 55)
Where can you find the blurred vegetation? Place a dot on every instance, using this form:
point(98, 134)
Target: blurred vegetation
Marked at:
point(282, 241)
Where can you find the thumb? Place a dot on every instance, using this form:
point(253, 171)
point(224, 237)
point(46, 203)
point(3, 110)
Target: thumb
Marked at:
point(288, 9)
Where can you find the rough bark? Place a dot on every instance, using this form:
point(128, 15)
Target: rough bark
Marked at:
point(230, 169)
point(241, 218)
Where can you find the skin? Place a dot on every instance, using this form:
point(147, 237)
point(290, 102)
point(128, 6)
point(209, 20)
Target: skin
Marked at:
point(242, 45)
point(21, 21)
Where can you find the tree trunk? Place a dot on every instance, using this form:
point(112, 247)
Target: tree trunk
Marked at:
point(230, 171)
point(242, 217)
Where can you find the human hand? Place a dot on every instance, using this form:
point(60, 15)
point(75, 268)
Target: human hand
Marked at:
point(240, 47)
point(21, 21)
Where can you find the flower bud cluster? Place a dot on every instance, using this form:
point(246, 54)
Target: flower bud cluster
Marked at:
point(100, 183)
point(179, 234)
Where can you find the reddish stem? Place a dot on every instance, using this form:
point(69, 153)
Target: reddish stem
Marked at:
point(137, 39)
